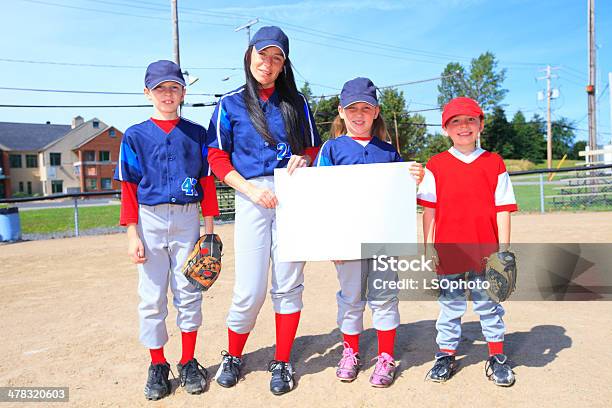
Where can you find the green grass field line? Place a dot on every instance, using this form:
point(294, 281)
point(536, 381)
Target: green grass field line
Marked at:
point(50, 220)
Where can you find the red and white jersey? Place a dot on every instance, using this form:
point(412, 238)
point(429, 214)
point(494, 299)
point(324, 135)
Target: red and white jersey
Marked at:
point(467, 192)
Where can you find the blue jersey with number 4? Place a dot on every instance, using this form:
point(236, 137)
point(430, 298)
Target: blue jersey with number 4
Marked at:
point(166, 167)
point(232, 131)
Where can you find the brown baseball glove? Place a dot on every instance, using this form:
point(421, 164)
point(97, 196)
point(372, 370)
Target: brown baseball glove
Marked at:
point(500, 272)
point(203, 266)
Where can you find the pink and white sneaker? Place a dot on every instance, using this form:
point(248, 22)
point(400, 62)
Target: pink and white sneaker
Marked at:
point(349, 365)
point(384, 371)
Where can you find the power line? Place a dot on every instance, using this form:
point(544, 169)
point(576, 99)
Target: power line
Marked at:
point(47, 3)
point(105, 65)
point(93, 92)
point(305, 30)
point(419, 81)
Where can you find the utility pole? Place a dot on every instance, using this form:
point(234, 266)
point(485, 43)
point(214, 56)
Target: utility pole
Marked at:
point(549, 96)
point(247, 26)
point(175, 30)
point(610, 94)
point(591, 86)
point(396, 132)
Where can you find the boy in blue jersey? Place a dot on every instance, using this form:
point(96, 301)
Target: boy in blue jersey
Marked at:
point(164, 175)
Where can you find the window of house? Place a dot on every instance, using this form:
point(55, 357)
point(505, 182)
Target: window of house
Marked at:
point(104, 156)
point(29, 187)
point(15, 161)
point(57, 186)
point(92, 184)
point(106, 184)
point(31, 161)
point(89, 155)
point(21, 186)
point(96, 124)
point(112, 133)
point(55, 159)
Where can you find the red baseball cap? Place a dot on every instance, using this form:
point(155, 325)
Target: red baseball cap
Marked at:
point(461, 106)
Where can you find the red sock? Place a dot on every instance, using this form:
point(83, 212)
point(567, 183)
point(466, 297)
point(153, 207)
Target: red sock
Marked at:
point(286, 327)
point(157, 356)
point(448, 351)
point(352, 340)
point(189, 342)
point(386, 341)
point(236, 342)
point(496, 347)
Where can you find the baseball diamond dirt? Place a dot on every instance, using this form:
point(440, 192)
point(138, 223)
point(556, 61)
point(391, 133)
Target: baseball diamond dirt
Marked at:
point(69, 318)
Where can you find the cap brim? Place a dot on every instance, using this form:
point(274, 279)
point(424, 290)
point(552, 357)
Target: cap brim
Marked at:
point(169, 79)
point(262, 45)
point(369, 101)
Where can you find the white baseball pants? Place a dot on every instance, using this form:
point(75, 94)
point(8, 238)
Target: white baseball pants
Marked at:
point(255, 247)
point(385, 313)
point(168, 233)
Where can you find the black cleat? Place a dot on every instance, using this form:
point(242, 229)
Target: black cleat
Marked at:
point(282, 377)
point(158, 384)
point(229, 370)
point(443, 369)
point(498, 370)
point(193, 376)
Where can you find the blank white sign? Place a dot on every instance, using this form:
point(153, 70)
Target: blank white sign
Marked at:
point(326, 213)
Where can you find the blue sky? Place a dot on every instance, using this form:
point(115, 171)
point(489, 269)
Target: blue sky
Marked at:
point(331, 41)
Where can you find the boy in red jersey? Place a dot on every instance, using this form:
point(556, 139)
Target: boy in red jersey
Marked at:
point(467, 198)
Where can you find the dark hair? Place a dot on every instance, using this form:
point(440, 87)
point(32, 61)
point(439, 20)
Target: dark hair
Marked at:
point(291, 105)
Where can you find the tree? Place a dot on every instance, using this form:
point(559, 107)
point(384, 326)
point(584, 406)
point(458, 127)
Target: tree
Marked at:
point(498, 135)
point(530, 143)
point(562, 137)
point(411, 129)
point(434, 144)
point(578, 147)
point(324, 112)
point(483, 82)
point(306, 91)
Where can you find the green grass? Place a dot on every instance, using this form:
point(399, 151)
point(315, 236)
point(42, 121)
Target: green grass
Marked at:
point(528, 200)
point(555, 163)
point(50, 220)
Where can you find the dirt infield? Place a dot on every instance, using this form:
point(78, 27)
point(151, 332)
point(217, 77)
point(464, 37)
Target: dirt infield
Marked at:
point(68, 313)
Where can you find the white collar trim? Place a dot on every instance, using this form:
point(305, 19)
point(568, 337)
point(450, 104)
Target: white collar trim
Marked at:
point(466, 158)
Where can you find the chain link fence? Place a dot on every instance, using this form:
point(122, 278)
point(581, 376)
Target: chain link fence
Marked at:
point(566, 189)
point(64, 215)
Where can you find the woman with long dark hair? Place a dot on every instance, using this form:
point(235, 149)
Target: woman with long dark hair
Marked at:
point(263, 125)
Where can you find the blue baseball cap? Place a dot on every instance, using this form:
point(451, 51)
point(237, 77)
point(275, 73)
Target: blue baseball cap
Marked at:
point(271, 36)
point(162, 71)
point(358, 90)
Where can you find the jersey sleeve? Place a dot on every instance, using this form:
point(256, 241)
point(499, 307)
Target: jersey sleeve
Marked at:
point(325, 158)
point(426, 194)
point(315, 138)
point(209, 203)
point(128, 166)
point(504, 193)
point(219, 135)
point(129, 204)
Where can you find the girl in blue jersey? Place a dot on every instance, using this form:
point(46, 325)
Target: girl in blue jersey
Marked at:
point(263, 125)
point(360, 138)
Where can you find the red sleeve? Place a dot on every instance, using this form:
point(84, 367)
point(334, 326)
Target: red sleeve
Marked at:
point(219, 162)
point(312, 153)
point(129, 204)
point(209, 203)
